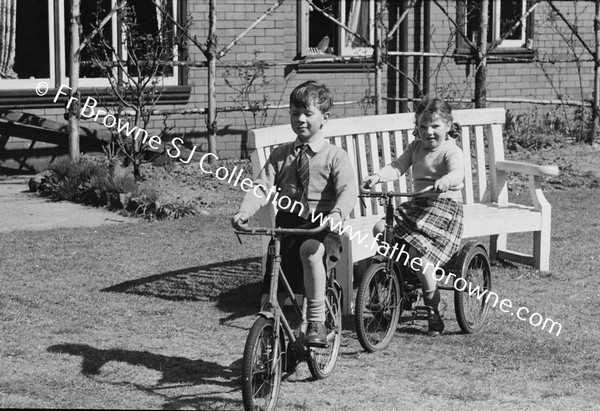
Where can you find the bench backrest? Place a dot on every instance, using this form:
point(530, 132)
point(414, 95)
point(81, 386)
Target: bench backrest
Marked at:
point(373, 141)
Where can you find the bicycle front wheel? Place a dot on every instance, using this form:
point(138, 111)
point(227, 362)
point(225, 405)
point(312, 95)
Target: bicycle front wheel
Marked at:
point(321, 361)
point(261, 367)
point(378, 307)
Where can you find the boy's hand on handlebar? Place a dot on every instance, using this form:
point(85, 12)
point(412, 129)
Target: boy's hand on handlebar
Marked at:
point(370, 181)
point(239, 220)
point(441, 185)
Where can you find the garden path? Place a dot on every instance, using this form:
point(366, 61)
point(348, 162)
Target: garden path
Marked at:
point(22, 210)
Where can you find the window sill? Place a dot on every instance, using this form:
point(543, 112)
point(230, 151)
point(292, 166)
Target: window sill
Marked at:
point(499, 55)
point(333, 64)
point(25, 99)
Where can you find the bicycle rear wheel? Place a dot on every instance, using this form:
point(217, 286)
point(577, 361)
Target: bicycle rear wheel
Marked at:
point(378, 307)
point(321, 361)
point(471, 304)
point(261, 367)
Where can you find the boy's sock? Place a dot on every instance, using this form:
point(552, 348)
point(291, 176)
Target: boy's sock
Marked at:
point(315, 310)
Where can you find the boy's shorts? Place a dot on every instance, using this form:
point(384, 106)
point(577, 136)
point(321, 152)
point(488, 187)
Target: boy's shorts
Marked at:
point(290, 251)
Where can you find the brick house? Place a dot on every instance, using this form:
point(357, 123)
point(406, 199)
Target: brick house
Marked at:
point(298, 43)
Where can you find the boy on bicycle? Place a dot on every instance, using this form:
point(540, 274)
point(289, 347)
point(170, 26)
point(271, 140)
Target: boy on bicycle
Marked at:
point(320, 177)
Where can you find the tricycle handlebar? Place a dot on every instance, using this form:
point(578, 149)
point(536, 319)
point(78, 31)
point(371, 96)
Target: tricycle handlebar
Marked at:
point(367, 193)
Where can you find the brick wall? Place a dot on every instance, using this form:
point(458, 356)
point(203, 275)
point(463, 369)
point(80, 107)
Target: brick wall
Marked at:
point(275, 39)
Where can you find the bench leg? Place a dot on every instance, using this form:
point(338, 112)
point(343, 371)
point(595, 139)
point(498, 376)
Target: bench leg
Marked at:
point(497, 243)
point(541, 250)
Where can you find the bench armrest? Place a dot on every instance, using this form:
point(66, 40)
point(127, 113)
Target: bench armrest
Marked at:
point(518, 167)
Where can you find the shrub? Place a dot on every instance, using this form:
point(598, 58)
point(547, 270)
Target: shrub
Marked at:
point(148, 204)
point(533, 130)
point(89, 181)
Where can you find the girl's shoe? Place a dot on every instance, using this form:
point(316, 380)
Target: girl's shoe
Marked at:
point(436, 325)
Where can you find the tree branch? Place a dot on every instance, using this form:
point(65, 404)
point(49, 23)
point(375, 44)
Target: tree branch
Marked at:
point(572, 28)
point(400, 20)
point(267, 13)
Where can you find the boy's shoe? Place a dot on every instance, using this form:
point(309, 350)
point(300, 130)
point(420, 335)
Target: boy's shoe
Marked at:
point(436, 325)
point(316, 334)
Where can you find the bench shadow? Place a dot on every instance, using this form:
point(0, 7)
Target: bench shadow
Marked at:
point(233, 285)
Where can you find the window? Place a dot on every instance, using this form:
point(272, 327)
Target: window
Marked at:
point(503, 15)
point(319, 36)
point(35, 47)
point(26, 43)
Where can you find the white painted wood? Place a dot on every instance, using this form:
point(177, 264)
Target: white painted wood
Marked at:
point(519, 167)
point(387, 156)
point(482, 187)
point(363, 171)
point(541, 238)
point(374, 161)
point(350, 148)
point(399, 149)
point(466, 149)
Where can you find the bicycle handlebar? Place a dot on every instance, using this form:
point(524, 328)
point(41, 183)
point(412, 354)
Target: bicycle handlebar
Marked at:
point(368, 193)
point(246, 230)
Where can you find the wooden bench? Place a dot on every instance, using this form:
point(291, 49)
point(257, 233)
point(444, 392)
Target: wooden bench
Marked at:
point(373, 141)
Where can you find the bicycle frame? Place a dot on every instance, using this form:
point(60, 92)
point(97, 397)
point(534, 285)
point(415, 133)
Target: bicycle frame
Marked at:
point(272, 308)
point(392, 266)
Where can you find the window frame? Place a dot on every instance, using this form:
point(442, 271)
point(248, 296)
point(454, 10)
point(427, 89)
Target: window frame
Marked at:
point(303, 25)
point(520, 50)
point(11, 84)
point(20, 93)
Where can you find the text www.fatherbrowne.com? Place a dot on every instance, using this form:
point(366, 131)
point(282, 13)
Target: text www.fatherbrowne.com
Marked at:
point(458, 283)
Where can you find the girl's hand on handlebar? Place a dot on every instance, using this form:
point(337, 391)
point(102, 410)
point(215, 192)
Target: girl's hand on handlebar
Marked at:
point(335, 220)
point(239, 220)
point(441, 185)
point(370, 181)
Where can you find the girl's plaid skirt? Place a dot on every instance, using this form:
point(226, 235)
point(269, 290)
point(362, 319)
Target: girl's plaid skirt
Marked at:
point(432, 226)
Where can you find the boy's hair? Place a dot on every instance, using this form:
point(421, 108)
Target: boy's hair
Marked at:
point(428, 108)
point(312, 93)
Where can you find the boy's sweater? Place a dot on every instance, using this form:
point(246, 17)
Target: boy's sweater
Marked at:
point(331, 186)
point(428, 166)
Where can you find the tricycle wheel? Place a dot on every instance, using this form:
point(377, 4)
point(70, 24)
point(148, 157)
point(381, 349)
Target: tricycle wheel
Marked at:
point(471, 293)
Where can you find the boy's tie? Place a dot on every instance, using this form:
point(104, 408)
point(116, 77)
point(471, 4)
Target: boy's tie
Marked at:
point(303, 177)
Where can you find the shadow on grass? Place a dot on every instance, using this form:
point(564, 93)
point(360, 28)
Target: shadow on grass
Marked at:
point(173, 369)
point(234, 285)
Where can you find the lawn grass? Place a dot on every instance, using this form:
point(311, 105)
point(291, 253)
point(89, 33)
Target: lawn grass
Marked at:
point(155, 315)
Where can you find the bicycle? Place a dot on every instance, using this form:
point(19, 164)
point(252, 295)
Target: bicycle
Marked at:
point(272, 346)
point(388, 288)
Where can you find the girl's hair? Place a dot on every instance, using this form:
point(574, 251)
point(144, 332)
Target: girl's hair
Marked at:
point(312, 93)
point(428, 108)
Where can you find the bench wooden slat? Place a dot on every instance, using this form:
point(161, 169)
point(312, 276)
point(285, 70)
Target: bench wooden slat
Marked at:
point(468, 182)
point(350, 148)
point(480, 155)
point(362, 169)
point(387, 156)
point(374, 149)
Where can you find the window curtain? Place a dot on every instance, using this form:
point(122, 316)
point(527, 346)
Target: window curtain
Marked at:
point(352, 23)
point(8, 29)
